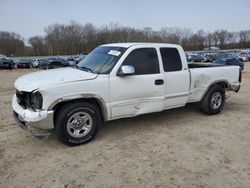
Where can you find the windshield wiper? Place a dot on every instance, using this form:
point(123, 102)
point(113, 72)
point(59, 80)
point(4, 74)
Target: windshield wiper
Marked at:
point(86, 69)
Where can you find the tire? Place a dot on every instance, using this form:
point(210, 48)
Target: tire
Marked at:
point(213, 101)
point(77, 123)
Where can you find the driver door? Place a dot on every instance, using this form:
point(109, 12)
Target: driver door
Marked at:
point(142, 92)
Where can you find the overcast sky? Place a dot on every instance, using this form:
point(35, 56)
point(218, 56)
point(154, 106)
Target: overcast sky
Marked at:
point(30, 17)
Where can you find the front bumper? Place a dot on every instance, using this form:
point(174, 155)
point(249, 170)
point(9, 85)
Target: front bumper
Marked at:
point(5, 66)
point(36, 123)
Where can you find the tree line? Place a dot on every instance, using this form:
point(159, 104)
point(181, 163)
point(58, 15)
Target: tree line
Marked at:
point(75, 38)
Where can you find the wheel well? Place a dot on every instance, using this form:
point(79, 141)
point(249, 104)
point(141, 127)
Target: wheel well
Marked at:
point(90, 100)
point(222, 84)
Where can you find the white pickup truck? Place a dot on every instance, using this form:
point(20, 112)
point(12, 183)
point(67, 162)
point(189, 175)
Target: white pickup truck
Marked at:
point(116, 81)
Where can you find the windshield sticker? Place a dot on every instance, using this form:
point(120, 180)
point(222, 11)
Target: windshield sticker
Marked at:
point(114, 52)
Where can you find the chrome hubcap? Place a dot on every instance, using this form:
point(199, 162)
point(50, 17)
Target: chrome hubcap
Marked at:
point(216, 100)
point(79, 124)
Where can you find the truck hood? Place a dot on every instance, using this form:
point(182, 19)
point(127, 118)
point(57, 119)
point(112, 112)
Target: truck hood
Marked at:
point(41, 79)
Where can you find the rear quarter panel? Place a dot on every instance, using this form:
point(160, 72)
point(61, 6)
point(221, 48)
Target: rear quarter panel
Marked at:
point(203, 78)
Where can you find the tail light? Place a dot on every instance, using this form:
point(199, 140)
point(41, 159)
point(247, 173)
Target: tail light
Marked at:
point(240, 75)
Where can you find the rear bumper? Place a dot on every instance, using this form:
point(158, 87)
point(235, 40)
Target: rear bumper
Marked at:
point(36, 123)
point(234, 87)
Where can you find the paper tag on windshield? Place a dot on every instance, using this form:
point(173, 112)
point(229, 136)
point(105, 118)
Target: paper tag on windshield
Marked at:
point(114, 52)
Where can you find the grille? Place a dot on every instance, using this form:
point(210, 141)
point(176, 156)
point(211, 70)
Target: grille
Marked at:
point(23, 99)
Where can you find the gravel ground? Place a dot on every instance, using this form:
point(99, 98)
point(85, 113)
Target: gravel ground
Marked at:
point(175, 148)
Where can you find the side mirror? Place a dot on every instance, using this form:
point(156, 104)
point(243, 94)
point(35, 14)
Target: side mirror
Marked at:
point(126, 70)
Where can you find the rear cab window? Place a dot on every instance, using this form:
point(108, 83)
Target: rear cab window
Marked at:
point(171, 59)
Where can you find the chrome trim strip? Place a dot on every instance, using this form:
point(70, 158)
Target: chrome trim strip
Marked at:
point(135, 102)
point(177, 96)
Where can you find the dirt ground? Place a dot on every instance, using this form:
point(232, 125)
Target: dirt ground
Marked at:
point(175, 148)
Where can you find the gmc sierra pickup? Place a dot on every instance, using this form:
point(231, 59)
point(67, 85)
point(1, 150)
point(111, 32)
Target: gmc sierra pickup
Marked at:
point(116, 81)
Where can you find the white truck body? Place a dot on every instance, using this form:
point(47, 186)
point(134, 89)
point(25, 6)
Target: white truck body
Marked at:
point(120, 96)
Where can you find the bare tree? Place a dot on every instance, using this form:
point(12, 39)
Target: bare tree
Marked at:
point(208, 40)
point(75, 38)
point(38, 45)
point(222, 36)
point(11, 44)
point(244, 38)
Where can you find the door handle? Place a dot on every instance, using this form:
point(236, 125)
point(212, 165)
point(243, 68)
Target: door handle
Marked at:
point(159, 82)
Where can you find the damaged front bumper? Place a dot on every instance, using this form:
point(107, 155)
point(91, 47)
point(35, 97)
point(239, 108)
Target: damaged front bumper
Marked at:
point(38, 123)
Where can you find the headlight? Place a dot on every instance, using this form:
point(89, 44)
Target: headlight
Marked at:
point(36, 100)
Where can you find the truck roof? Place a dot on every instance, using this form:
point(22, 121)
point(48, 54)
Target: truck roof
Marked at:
point(127, 45)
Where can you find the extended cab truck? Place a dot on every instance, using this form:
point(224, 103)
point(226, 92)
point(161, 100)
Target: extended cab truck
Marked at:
point(116, 81)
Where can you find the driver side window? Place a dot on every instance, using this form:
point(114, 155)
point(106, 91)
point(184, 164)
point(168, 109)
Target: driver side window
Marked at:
point(144, 61)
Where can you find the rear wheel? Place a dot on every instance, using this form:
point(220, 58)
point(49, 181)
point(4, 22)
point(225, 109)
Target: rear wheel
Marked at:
point(77, 123)
point(213, 101)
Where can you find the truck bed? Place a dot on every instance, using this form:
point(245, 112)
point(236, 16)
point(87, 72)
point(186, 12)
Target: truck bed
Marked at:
point(201, 78)
point(202, 65)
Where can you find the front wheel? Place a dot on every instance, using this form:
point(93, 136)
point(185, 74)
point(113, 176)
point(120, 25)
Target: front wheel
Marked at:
point(77, 123)
point(213, 101)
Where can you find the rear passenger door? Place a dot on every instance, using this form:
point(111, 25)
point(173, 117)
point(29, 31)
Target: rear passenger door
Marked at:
point(177, 78)
point(142, 92)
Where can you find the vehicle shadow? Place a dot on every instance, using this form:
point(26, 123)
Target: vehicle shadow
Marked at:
point(121, 128)
point(167, 118)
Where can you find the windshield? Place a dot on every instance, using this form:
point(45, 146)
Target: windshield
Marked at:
point(102, 59)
